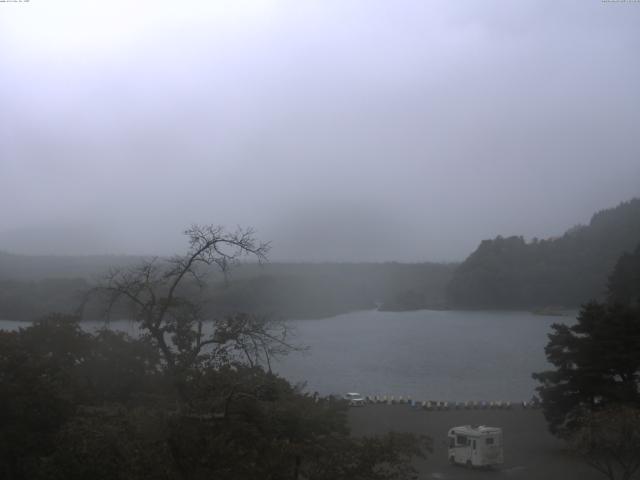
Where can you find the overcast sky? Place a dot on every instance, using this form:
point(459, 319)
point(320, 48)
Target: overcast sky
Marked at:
point(340, 130)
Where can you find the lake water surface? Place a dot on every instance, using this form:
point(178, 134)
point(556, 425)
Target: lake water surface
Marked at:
point(448, 355)
point(439, 355)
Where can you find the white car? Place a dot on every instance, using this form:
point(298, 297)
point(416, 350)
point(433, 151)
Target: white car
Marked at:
point(354, 399)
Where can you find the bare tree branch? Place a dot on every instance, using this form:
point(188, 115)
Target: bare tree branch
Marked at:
point(164, 296)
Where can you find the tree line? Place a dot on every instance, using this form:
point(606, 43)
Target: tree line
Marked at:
point(287, 290)
point(509, 272)
point(506, 272)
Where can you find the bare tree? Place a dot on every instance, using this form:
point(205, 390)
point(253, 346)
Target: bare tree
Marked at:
point(166, 301)
point(609, 441)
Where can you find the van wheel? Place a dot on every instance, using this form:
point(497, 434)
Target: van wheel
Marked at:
point(452, 460)
point(468, 464)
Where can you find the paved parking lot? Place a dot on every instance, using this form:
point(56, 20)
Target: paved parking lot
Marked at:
point(530, 451)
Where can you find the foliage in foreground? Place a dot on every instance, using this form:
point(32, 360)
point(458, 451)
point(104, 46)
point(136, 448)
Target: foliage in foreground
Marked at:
point(609, 441)
point(188, 399)
point(592, 398)
point(597, 359)
point(597, 363)
point(75, 405)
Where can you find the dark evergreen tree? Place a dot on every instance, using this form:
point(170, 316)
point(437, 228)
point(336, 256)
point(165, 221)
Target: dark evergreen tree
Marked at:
point(609, 441)
point(624, 283)
point(597, 360)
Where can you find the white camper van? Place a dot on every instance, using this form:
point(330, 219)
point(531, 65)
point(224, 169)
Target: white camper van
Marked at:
point(475, 446)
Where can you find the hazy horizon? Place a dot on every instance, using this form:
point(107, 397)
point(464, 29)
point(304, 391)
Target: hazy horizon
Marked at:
point(341, 131)
point(27, 241)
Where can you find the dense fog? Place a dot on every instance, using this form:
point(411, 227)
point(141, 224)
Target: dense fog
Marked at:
point(319, 239)
point(341, 131)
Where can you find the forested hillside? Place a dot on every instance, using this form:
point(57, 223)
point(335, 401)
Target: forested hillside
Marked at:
point(502, 273)
point(31, 287)
point(565, 271)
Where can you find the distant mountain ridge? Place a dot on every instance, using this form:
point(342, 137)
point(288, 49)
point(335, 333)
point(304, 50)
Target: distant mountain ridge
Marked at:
point(503, 273)
point(39, 267)
point(566, 271)
point(32, 286)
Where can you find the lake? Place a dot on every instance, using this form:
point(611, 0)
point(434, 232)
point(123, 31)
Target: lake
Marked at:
point(441, 355)
point(438, 355)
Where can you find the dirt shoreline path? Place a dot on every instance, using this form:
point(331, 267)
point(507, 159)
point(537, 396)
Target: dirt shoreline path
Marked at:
point(530, 451)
